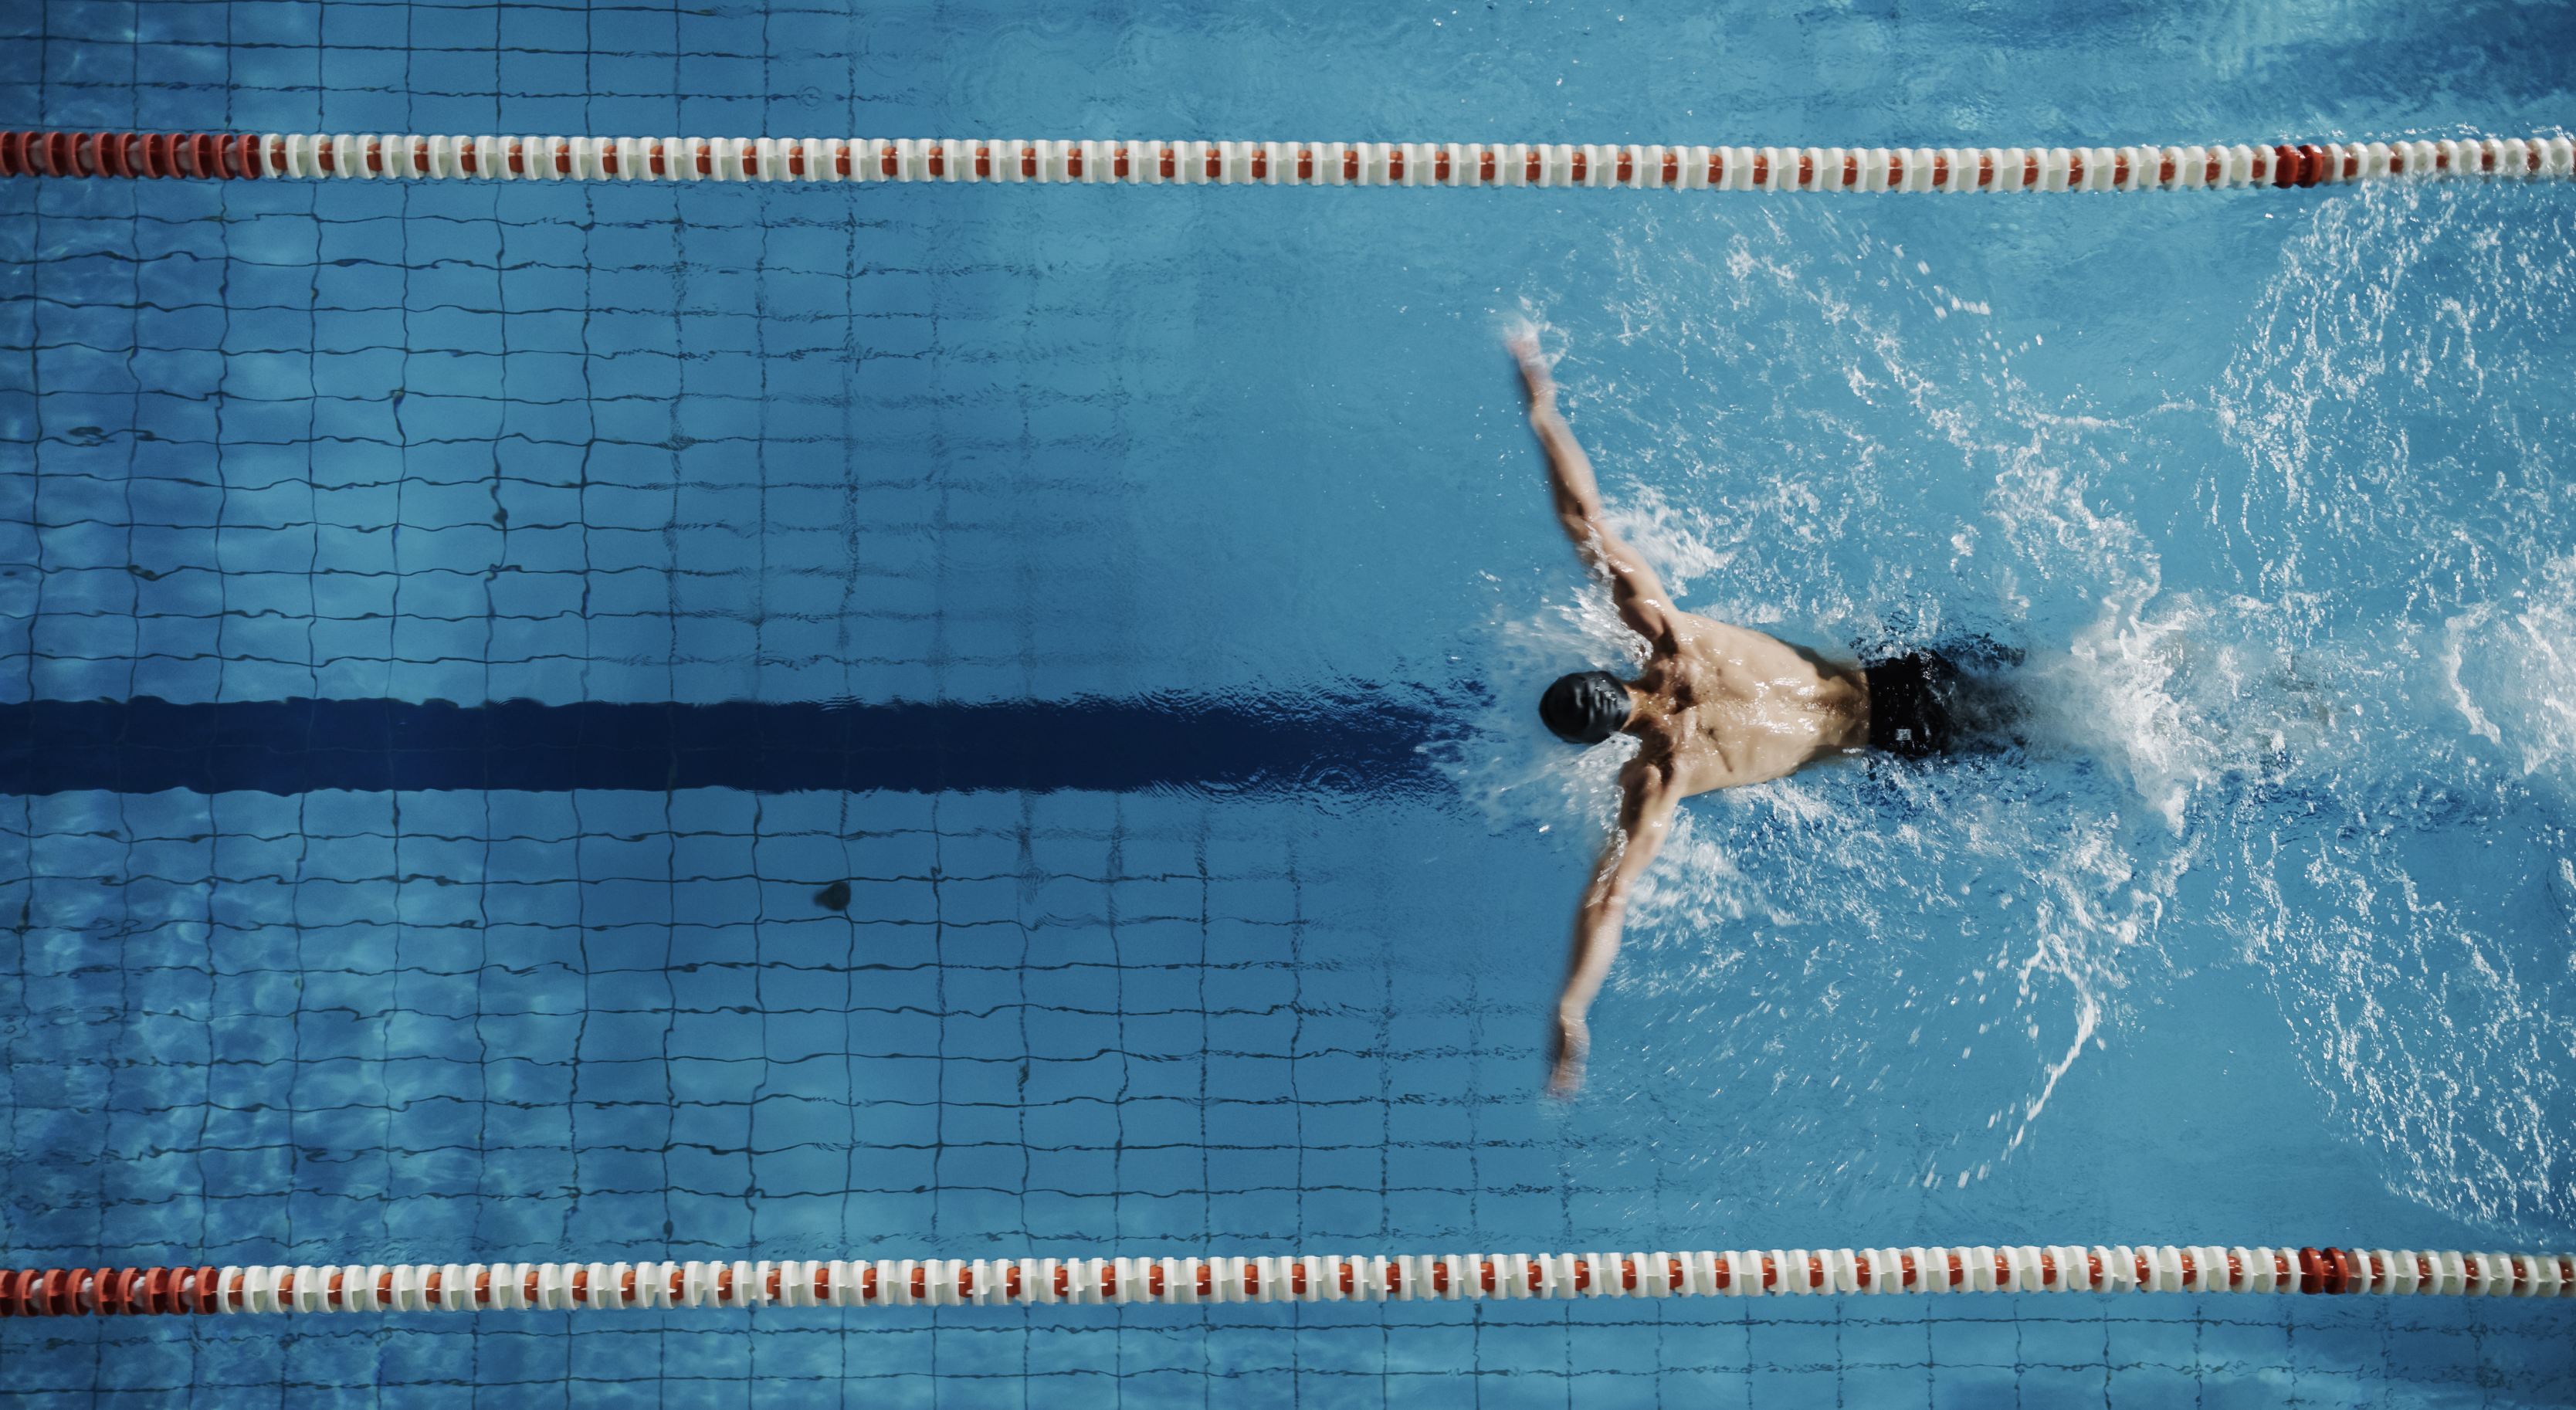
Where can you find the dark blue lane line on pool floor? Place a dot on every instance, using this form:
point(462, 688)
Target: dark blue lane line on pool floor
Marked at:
point(1361, 740)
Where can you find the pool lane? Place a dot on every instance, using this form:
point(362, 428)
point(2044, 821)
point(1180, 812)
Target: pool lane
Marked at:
point(1347, 741)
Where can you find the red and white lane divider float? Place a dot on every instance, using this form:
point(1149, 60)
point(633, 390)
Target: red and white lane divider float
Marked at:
point(513, 1287)
point(1959, 170)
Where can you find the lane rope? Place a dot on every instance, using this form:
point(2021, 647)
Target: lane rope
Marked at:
point(519, 1287)
point(1953, 170)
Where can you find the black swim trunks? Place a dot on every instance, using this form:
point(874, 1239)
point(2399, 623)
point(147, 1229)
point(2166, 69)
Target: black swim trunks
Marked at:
point(1911, 700)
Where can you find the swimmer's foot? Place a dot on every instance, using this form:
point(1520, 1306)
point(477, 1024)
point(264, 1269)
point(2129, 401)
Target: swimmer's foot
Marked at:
point(1534, 369)
point(1565, 1057)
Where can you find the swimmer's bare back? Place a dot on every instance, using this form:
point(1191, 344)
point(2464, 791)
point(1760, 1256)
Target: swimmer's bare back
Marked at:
point(1717, 706)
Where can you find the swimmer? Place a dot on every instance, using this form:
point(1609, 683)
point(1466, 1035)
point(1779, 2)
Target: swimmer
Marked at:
point(1716, 706)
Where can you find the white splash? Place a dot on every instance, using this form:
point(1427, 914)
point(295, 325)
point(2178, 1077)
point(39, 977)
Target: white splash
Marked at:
point(2510, 668)
point(2389, 402)
point(2366, 675)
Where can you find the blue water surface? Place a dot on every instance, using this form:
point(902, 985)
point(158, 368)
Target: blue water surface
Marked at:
point(2260, 934)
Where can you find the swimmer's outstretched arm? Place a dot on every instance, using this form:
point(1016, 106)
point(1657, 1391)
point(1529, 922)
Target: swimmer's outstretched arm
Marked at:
point(1649, 799)
point(1639, 594)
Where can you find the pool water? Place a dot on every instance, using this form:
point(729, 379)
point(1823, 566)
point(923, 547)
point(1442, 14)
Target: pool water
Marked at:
point(1213, 515)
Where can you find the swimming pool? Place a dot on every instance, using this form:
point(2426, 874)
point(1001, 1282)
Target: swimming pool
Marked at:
point(2259, 938)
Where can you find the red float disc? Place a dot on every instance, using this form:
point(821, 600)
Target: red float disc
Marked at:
point(2313, 167)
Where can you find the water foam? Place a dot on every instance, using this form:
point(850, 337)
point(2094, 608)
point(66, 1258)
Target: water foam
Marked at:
point(2510, 668)
point(2327, 683)
point(2395, 405)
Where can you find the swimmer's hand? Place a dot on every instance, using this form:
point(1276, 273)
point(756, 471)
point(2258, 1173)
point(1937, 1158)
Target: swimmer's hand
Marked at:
point(1565, 1057)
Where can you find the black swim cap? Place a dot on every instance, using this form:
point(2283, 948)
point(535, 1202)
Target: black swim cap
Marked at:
point(1586, 707)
